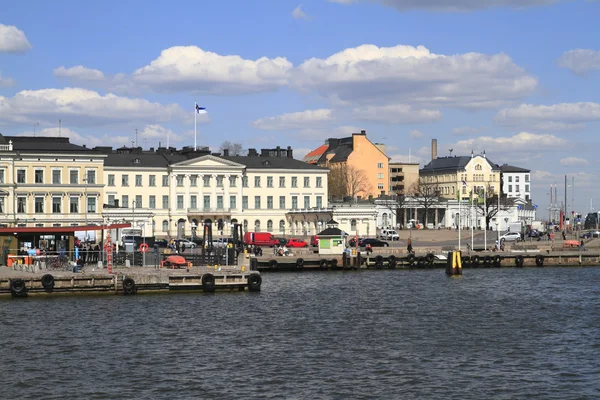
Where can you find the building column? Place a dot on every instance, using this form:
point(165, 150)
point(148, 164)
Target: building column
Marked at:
point(436, 218)
point(213, 192)
point(226, 186)
point(238, 201)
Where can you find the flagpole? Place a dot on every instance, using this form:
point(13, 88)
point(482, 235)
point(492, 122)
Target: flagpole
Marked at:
point(472, 219)
point(195, 116)
point(484, 218)
point(459, 197)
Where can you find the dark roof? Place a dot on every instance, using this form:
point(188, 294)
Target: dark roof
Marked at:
point(331, 232)
point(332, 222)
point(340, 148)
point(271, 162)
point(44, 144)
point(512, 168)
point(455, 163)
point(155, 160)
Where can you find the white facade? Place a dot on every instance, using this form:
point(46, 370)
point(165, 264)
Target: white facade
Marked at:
point(517, 185)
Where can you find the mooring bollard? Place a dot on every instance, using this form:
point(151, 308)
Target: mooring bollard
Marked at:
point(454, 263)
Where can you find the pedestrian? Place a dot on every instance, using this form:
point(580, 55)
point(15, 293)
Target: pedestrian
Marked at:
point(564, 236)
point(182, 247)
point(409, 247)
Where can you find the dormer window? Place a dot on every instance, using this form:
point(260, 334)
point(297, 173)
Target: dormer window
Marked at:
point(137, 161)
point(266, 163)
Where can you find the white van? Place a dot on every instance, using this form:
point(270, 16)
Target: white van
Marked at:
point(389, 234)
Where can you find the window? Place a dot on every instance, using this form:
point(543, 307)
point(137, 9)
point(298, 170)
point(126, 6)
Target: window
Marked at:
point(270, 202)
point(194, 180)
point(294, 181)
point(56, 177)
point(74, 205)
point(193, 201)
point(111, 180)
point(306, 181)
point(125, 201)
point(257, 202)
point(380, 186)
point(257, 226)
point(380, 175)
point(319, 201)
point(516, 179)
point(152, 201)
point(319, 182)
point(206, 202)
point(91, 177)
point(111, 199)
point(125, 180)
point(510, 188)
point(282, 202)
point(379, 165)
point(269, 181)
point(73, 177)
point(219, 180)
point(527, 188)
point(294, 202)
point(510, 178)
point(138, 201)
point(352, 224)
point(39, 176)
point(2, 174)
point(165, 180)
point(517, 188)
point(165, 226)
point(179, 201)
point(257, 181)
point(220, 202)
point(179, 179)
point(138, 180)
point(478, 167)
point(306, 201)
point(2, 205)
point(21, 201)
point(232, 202)
point(269, 226)
point(282, 181)
point(152, 180)
point(232, 181)
point(244, 181)
point(165, 201)
point(20, 176)
point(282, 226)
point(206, 180)
point(56, 203)
point(526, 178)
point(244, 202)
point(39, 205)
point(91, 204)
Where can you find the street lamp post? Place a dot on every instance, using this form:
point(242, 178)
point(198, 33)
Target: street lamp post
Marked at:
point(85, 199)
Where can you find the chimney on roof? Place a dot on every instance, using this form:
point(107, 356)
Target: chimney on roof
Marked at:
point(472, 155)
point(363, 132)
point(290, 152)
point(433, 149)
point(264, 152)
point(85, 146)
point(484, 154)
point(252, 153)
point(278, 151)
point(226, 152)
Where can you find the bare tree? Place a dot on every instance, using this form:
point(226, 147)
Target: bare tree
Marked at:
point(235, 149)
point(490, 208)
point(426, 194)
point(347, 180)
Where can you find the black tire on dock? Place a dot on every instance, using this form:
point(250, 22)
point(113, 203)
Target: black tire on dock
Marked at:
point(300, 263)
point(273, 264)
point(475, 261)
point(487, 261)
point(254, 282)
point(129, 286)
point(379, 261)
point(410, 259)
point(208, 283)
point(48, 282)
point(430, 258)
point(539, 260)
point(18, 288)
point(421, 262)
point(333, 263)
point(465, 261)
point(392, 262)
point(519, 261)
point(323, 263)
point(497, 261)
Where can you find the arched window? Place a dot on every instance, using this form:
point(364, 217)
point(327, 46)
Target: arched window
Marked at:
point(353, 224)
point(282, 227)
point(257, 226)
point(165, 225)
point(384, 219)
point(269, 226)
point(245, 225)
point(478, 167)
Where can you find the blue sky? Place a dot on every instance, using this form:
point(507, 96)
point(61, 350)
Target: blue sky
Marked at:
point(516, 78)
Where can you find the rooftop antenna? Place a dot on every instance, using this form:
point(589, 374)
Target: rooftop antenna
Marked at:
point(136, 137)
point(450, 150)
point(131, 143)
point(59, 126)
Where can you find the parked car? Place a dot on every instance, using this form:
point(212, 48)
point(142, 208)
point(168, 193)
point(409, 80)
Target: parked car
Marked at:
point(296, 243)
point(282, 241)
point(260, 239)
point(511, 237)
point(161, 242)
point(389, 234)
point(586, 235)
point(373, 243)
point(534, 233)
point(187, 243)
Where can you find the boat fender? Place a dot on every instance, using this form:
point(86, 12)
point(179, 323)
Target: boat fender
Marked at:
point(539, 260)
point(254, 282)
point(333, 263)
point(48, 282)
point(208, 283)
point(465, 261)
point(273, 264)
point(475, 261)
point(421, 262)
point(410, 259)
point(430, 258)
point(379, 261)
point(487, 261)
point(300, 263)
point(519, 261)
point(497, 261)
point(17, 287)
point(323, 263)
point(392, 261)
point(129, 286)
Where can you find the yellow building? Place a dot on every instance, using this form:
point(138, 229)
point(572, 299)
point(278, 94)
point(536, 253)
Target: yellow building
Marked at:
point(362, 163)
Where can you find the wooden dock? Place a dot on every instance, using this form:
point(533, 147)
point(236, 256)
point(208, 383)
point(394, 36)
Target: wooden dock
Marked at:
point(128, 281)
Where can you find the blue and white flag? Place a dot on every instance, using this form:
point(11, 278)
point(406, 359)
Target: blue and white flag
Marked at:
point(200, 110)
point(464, 183)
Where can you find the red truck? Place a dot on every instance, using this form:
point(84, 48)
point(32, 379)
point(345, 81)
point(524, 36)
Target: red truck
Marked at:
point(260, 239)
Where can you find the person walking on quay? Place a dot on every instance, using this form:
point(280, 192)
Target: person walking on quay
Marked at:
point(564, 235)
point(409, 247)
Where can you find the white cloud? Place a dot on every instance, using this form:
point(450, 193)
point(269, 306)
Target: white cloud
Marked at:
point(415, 134)
point(580, 61)
point(297, 120)
point(325, 133)
point(6, 81)
point(467, 130)
point(563, 116)
point(396, 114)
point(406, 74)
point(299, 13)
point(522, 142)
point(79, 72)
point(406, 158)
point(12, 39)
point(82, 107)
point(450, 6)
point(573, 161)
point(81, 139)
point(155, 131)
point(191, 69)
